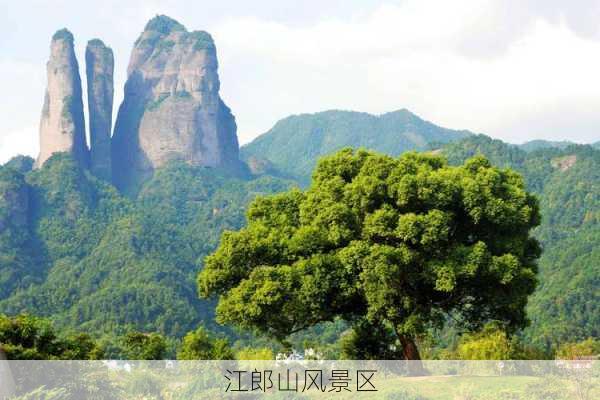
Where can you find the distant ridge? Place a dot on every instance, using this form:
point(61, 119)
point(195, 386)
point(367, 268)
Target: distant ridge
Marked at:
point(538, 144)
point(294, 143)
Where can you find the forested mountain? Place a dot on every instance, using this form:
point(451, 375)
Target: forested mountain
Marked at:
point(294, 144)
point(533, 145)
point(566, 305)
point(75, 249)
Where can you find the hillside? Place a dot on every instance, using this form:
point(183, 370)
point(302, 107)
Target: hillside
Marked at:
point(566, 305)
point(533, 145)
point(74, 249)
point(294, 144)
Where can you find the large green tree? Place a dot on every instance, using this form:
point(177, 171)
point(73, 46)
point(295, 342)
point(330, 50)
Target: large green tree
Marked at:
point(401, 242)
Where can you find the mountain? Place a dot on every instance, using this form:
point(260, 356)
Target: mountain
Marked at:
point(533, 145)
point(74, 249)
point(295, 143)
point(100, 66)
point(62, 125)
point(110, 238)
point(172, 109)
point(566, 304)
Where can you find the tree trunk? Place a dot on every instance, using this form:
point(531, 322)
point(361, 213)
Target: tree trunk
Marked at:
point(409, 348)
point(412, 356)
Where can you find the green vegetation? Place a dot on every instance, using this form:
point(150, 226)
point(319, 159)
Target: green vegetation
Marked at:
point(399, 244)
point(163, 25)
point(295, 143)
point(154, 104)
point(75, 251)
point(534, 145)
point(22, 164)
point(67, 107)
point(202, 40)
point(89, 257)
point(143, 346)
point(565, 306)
point(29, 338)
point(182, 94)
point(572, 351)
point(63, 34)
point(201, 345)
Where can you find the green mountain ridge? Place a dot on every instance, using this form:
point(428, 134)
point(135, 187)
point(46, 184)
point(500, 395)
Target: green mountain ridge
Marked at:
point(566, 304)
point(72, 248)
point(538, 144)
point(294, 143)
point(94, 259)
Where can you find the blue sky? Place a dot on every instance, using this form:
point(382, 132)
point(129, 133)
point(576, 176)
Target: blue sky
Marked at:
point(514, 69)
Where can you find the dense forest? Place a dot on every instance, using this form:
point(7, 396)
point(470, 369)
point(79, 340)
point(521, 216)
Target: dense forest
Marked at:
point(90, 258)
point(76, 251)
point(291, 148)
point(567, 182)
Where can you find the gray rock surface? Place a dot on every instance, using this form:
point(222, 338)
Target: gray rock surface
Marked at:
point(172, 109)
point(100, 65)
point(62, 127)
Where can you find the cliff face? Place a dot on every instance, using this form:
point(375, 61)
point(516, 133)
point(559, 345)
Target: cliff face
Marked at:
point(171, 108)
point(62, 127)
point(99, 62)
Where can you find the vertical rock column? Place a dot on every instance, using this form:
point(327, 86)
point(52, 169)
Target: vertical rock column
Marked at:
point(172, 109)
point(62, 126)
point(99, 63)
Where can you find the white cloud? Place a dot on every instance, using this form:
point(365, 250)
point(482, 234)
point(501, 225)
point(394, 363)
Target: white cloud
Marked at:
point(22, 141)
point(514, 69)
point(422, 56)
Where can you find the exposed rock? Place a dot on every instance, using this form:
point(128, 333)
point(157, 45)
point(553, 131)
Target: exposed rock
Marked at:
point(62, 127)
point(564, 163)
point(172, 109)
point(99, 63)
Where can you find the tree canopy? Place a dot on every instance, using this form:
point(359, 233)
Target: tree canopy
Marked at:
point(403, 243)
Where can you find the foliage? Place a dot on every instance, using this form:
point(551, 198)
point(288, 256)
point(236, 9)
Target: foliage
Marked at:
point(89, 257)
point(201, 345)
point(22, 164)
point(489, 344)
point(63, 34)
point(567, 180)
point(144, 346)
point(294, 144)
point(248, 353)
point(401, 242)
point(368, 341)
point(584, 348)
point(163, 25)
point(30, 338)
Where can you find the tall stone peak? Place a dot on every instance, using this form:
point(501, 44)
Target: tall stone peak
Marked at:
point(62, 126)
point(163, 24)
point(100, 65)
point(172, 109)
